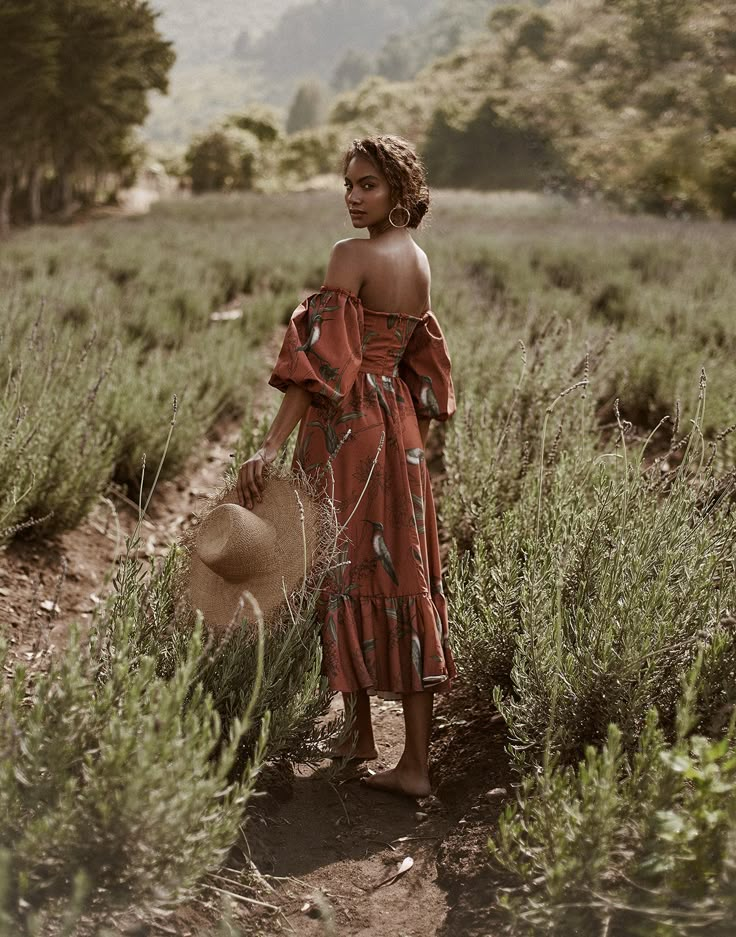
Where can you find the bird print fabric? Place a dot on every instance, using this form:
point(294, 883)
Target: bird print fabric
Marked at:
point(372, 374)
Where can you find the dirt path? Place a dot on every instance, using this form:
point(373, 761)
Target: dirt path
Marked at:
point(326, 842)
point(335, 841)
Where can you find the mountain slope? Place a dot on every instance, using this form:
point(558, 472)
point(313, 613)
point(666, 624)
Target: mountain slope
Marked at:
point(203, 30)
point(207, 81)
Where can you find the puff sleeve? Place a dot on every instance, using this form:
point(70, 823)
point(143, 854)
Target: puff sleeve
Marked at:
point(426, 369)
point(322, 348)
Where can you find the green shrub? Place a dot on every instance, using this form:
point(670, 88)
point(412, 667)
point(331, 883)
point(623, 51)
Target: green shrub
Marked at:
point(109, 782)
point(128, 764)
point(624, 845)
point(292, 694)
point(617, 593)
point(223, 159)
point(588, 585)
point(57, 452)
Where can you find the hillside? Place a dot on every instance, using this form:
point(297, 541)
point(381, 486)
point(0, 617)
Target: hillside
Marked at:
point(634, 101)
point(311, 40)
point(231, 54)
point(207, 80)
point(203, 30)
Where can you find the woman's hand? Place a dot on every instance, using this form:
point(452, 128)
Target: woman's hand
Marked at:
point(250, 481)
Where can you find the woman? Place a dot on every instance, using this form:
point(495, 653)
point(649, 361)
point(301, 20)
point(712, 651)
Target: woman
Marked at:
point(364, 367)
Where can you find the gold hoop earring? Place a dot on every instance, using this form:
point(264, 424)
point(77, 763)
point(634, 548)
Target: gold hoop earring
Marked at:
point(408, 216)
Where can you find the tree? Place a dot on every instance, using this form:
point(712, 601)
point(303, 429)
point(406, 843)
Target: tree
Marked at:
point(535, 33)
point(721, 169)
point(222, 159)
point(259, 120)
point(29, 74)
point(307, 107)
point(110, 57)
point(487, 152)
point(243, 47)
point(396, 59)
point(352, 68)
point(75, 76)
point(658, 29)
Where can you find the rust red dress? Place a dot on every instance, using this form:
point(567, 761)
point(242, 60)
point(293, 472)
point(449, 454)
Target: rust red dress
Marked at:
point(372, 375)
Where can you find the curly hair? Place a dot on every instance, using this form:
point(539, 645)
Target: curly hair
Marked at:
point(403, 169)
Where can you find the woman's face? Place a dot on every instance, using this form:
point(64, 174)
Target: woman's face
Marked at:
point(367, 193)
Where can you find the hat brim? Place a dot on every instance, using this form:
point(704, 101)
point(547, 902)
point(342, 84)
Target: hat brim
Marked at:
point(295, 513)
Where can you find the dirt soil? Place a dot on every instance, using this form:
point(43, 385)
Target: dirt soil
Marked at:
point(324, 843)
point(332, 842)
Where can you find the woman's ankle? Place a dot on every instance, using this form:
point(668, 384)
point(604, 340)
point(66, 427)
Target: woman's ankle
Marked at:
point(413, 765)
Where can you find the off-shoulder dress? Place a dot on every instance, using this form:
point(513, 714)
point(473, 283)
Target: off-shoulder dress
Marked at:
point(372, 375)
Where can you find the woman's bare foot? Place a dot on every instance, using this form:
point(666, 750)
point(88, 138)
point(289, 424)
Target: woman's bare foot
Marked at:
point(400, 780)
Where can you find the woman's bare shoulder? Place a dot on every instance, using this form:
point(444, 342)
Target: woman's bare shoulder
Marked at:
point(350, 244)
point(345, 266)
point(422, 257)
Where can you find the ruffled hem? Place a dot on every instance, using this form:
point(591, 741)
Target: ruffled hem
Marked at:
point(386, 645)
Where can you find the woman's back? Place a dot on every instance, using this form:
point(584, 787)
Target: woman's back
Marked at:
point(395, 274)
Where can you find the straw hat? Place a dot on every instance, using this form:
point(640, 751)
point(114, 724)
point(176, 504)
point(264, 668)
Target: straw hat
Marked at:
point(265, 551)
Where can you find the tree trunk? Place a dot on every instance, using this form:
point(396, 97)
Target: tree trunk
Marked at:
point(34, 193)
point(66, 187)
point(6, 194)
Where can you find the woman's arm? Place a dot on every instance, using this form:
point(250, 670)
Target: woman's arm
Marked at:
point(344, 272)
point(250, 478)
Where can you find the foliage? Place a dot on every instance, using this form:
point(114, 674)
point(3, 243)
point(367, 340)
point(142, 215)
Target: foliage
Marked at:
point(285, 661)
point(634, 100)
point(588, 590)
point(625, 845)
point(88, 67)
point(251, 52)
point(377, 104)
point(115, 785)
point(259, 120)
point(104, 324)
point(720, 166)
point(128, 764)
point(308, 154)
point(591, 557)
point(222, 159)
point(240, 152)
point(593, 560)
point(518, 156)
point(585, 576)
